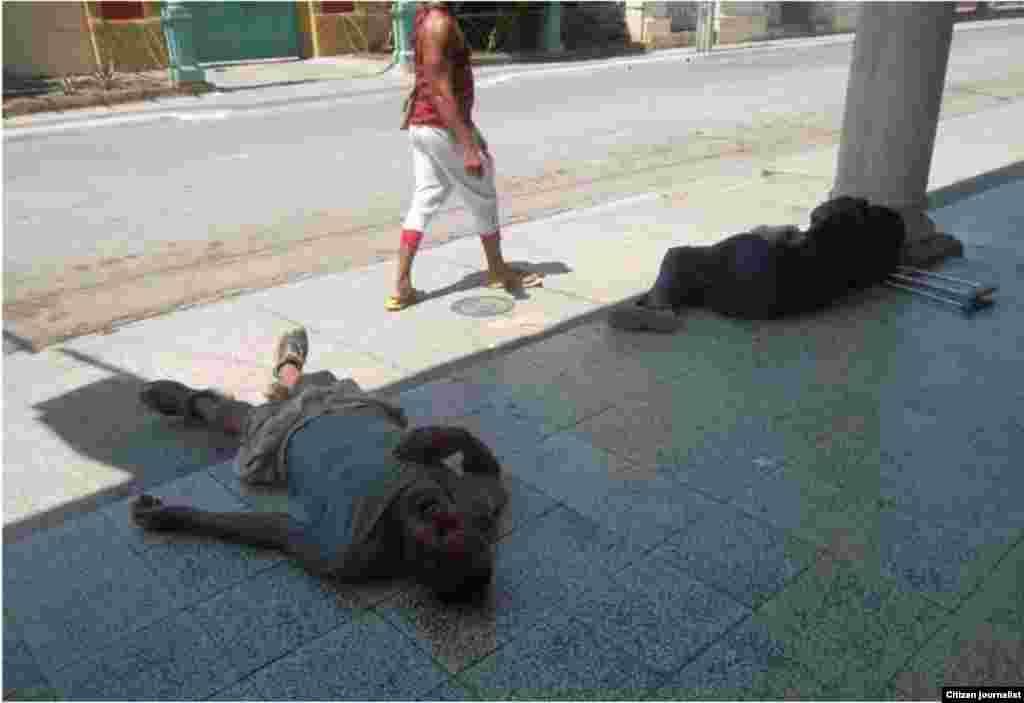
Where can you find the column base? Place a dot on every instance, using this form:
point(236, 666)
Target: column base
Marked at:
point(928, 251)
point(926, 245)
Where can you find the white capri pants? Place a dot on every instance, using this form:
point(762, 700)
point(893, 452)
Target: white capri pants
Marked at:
point(439, 170)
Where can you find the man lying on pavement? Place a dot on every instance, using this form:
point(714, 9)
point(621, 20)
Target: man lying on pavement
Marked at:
point(366, 499)
point(774, 271)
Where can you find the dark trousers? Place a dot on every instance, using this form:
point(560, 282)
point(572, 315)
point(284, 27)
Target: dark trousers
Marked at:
point(738, 276)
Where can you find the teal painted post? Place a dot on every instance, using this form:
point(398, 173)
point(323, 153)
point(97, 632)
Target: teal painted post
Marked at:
point(179, 32)
point(552, 33)
point(406, 10)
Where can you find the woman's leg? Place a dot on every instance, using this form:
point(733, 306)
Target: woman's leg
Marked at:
point(432, 190)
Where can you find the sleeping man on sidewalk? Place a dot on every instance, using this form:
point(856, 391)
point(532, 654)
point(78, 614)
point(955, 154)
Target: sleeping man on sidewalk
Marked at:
point(774, 271)
point(367, 499)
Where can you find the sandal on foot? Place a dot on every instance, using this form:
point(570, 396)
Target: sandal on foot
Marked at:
point(517, 278)
point(173, 399)
point(395, 303)
point(636, 316)
point(292, 348)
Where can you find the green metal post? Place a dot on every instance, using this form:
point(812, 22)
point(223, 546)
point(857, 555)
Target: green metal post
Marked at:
point(176, 21)
point(552, 34)
point(405, 11)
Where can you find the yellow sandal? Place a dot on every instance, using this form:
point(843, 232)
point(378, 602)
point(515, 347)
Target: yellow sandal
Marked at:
point(394, 303)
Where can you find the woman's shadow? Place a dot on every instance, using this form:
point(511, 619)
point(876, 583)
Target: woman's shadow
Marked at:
point(479, 280)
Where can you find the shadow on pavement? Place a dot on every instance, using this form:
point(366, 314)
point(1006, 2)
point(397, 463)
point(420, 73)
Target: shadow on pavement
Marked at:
point(105, 423)
point(476, 280)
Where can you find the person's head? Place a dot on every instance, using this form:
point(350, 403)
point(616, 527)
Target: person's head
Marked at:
point(449, 555)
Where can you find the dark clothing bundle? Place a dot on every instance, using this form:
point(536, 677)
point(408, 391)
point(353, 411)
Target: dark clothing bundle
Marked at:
point(849, 246)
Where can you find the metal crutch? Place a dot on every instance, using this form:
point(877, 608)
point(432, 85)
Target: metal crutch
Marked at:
point(936, 287)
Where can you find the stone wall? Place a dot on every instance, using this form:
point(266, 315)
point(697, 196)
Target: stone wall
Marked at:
point(46, 39)
point(365, 29)
point(665, 24)
point(130, 45)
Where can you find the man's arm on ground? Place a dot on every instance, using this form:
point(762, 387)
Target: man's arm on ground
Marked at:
point(437, 32)
point(266, 530)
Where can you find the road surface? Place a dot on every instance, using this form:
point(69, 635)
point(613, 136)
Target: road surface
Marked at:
point(112, 223)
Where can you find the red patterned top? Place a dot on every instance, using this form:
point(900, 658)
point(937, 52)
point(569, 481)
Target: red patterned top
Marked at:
point(424, 112)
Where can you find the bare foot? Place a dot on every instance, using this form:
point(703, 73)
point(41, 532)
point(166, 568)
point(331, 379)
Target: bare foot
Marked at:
point(150, 513)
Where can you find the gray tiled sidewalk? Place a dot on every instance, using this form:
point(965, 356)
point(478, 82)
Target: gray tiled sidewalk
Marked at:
point(825, 507)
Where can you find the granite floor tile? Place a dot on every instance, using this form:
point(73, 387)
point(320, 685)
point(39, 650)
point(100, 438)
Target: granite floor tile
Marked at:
point(943, 562)
point(83, 551)
point(365, 659)
point(734, 553)
point(851, 626)
point(657, 613)
point(646, 432)
point(745, 664)
point(20, 669)
point(786, 498)
point(645, 511)
point(77, 586)
point(573, 390)
point(561, 659)
point(193, 567)
point(1001, 597)
point(570, 469)
point(273, 613)
point(245, 690)
point(459, 635)
point(525, 504)
point(174, 659)
point(710, 346)
point(749, 448)
point(982, 642)
point(63, 630)
point(557, 556)
point(451, 690)
point(965, 496)
point(448, 397)
point(940, 562)
point(36, 693)
point(964, 654)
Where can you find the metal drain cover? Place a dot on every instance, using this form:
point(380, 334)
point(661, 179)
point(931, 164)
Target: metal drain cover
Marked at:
point(482, 306)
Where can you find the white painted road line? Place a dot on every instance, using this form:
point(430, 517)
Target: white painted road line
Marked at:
point(17, 132)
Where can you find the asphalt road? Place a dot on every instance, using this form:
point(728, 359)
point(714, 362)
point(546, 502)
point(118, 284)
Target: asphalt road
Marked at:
point(138, 196)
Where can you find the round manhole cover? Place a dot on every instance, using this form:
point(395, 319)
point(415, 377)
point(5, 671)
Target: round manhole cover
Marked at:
point(482, 306)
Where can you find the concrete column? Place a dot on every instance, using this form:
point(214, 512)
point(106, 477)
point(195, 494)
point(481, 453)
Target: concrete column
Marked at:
point(551, 40)
point(892, 113)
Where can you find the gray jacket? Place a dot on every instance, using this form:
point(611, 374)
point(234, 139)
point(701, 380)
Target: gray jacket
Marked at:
point(375, 549)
